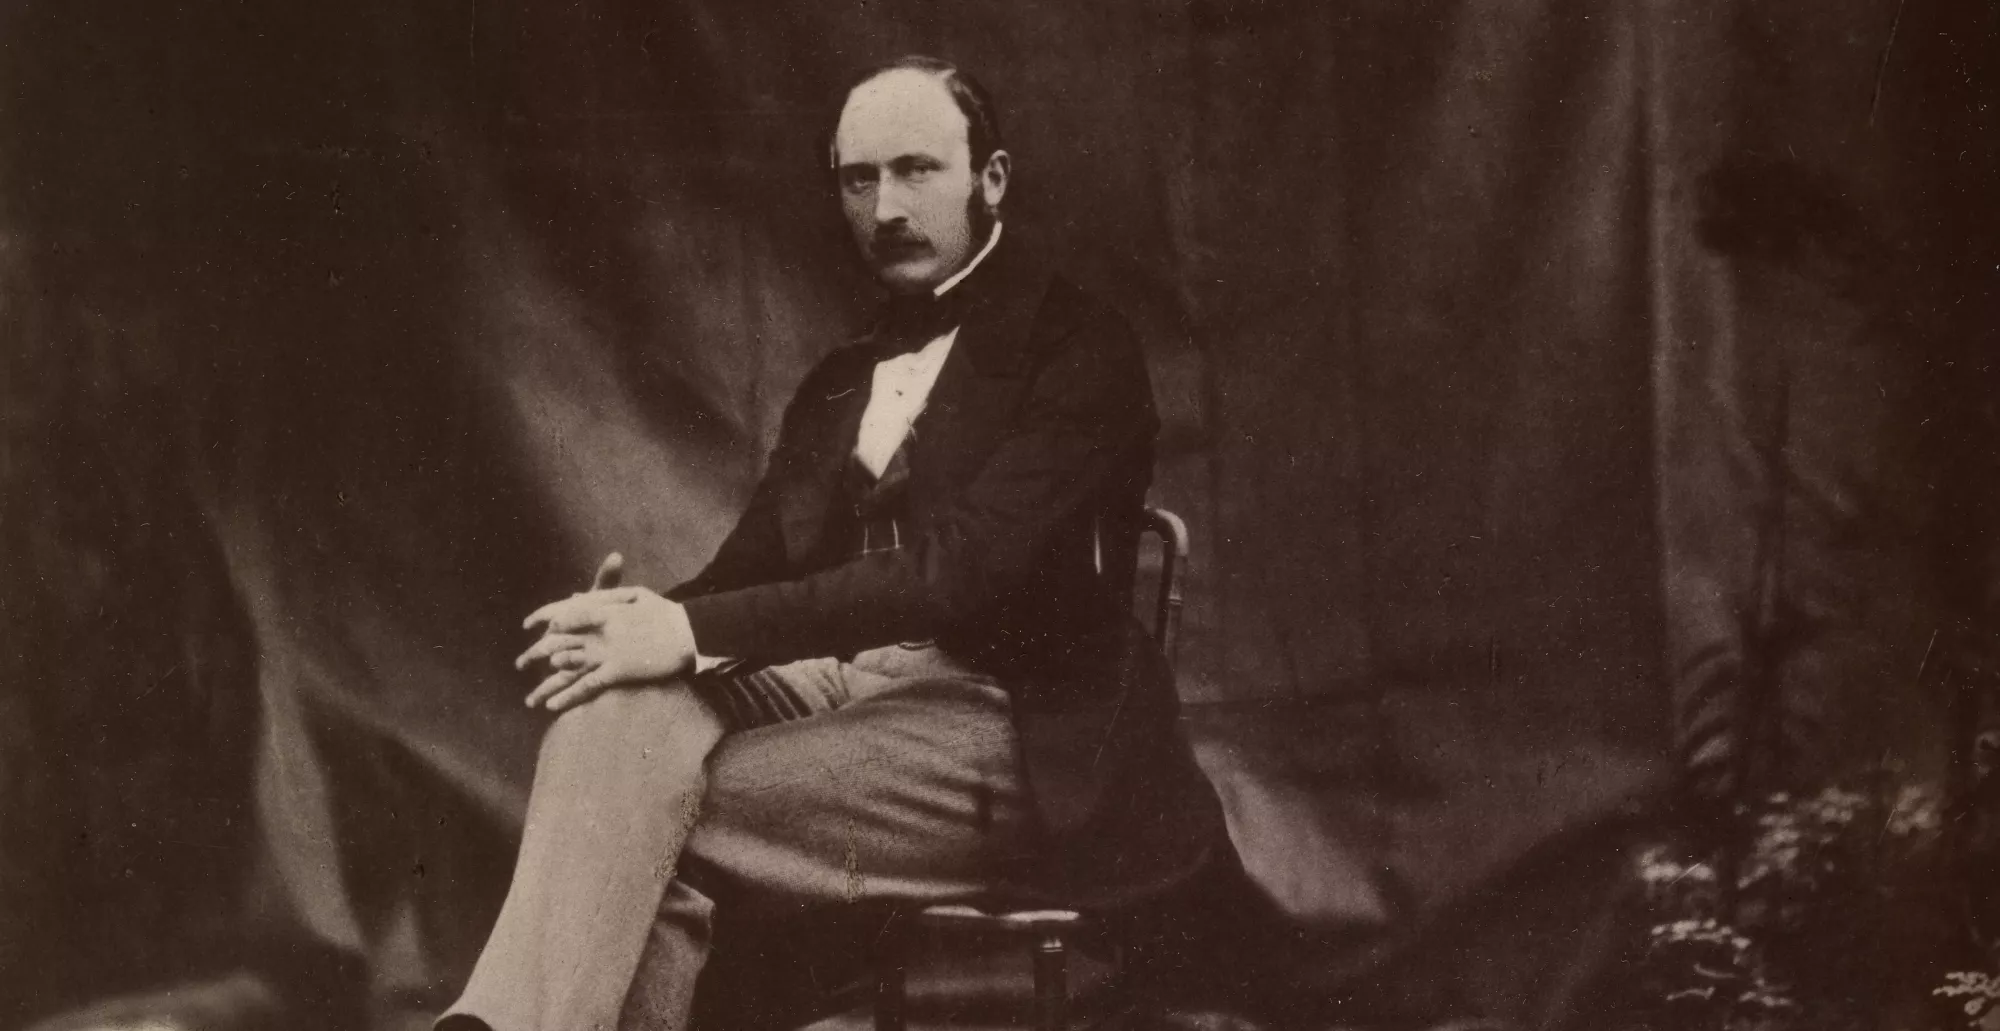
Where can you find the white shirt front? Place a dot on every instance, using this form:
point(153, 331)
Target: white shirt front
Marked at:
point(902, 385)
point(901, 388)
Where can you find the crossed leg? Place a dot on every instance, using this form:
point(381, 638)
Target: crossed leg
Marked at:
point(896, 779)
point(618, 786)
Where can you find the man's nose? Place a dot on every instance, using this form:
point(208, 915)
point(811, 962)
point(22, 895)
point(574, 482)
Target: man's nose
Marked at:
point(890, 204)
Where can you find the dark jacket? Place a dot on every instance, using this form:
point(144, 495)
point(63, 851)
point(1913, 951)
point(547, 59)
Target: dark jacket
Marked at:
point(1039, 430)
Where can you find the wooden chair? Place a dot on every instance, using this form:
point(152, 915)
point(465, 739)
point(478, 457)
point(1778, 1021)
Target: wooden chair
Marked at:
point(1047, 933)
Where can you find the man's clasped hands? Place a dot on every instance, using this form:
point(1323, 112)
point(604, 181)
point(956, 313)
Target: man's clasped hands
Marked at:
point(609, 636)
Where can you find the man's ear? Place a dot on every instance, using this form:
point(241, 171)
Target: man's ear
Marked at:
point(993, 178)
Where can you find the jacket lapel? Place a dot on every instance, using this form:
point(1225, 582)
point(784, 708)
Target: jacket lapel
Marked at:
point(974, 394)
point(806, 501)
point(982, 379)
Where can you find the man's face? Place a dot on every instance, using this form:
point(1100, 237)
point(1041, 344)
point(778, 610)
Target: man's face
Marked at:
point(906, 180)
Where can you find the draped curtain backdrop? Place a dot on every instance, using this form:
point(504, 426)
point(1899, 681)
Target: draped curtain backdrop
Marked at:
point(1557, 390)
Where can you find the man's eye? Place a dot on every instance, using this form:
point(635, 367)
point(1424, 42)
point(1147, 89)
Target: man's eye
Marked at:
point(856, 180)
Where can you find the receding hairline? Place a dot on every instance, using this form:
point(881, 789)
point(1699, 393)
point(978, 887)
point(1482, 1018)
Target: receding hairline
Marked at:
point(941, 77)
point(983, 134)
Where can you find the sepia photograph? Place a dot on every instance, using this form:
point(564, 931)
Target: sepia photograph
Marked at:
point(883, 515)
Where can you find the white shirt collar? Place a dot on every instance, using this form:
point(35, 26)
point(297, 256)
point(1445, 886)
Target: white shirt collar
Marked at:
point(991, 239)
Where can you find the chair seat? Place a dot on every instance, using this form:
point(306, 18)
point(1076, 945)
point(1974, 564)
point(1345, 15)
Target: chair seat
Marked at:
point(1004, 920)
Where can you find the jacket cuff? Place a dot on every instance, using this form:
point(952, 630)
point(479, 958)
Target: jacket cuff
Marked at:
point(718, 622)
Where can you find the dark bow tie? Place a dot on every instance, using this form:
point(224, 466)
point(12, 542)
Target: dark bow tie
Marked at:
point(906, 324)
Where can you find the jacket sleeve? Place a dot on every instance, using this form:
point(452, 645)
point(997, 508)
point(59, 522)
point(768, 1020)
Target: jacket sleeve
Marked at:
point(1086, 413)
point(753, 551)
point(1085, 416)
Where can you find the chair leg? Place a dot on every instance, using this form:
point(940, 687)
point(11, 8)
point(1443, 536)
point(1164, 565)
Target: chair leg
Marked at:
point(891, 983)
point(1051, 984)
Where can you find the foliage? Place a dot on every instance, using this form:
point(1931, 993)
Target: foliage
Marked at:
point(1847, 908)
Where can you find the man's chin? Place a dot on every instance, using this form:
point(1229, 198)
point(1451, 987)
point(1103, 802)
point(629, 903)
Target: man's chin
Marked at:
point(913, 275)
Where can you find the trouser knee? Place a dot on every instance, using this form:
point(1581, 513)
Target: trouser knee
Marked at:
point(652, 722)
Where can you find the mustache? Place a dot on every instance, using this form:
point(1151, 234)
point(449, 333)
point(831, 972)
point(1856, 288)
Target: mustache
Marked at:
point(897, 237)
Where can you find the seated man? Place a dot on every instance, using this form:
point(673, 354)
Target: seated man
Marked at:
point(904, 678)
